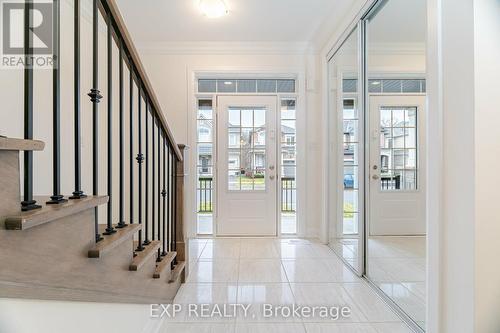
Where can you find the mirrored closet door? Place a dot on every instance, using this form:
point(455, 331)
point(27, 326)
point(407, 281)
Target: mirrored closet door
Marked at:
point(377, 153)
point(345, 152)
point(396, 152)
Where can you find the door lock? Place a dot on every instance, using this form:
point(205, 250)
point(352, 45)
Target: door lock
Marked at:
point(271, 167)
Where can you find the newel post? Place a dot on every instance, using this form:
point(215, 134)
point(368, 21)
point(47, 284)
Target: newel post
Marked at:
point(181, 224)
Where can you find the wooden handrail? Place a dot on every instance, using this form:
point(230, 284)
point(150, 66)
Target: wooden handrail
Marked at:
point(127, 39)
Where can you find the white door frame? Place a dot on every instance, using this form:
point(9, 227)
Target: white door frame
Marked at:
point(215, 72)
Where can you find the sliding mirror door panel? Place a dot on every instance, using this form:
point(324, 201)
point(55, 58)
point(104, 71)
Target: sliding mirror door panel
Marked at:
point(345, 155)
point(395, 99)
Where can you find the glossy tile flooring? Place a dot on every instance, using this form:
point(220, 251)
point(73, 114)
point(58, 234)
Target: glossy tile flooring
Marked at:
point(277, 272)
point(397, 265)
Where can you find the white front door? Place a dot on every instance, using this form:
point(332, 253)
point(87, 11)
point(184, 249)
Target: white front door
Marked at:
point(246, 172)
point(396, 165)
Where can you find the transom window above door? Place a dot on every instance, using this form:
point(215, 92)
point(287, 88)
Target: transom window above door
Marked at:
point(246, 86)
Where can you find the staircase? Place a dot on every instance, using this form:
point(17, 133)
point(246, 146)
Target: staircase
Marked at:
point(109, 246)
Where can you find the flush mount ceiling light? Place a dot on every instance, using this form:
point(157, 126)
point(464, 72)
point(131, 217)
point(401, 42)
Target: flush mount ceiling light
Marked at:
point(213, 8)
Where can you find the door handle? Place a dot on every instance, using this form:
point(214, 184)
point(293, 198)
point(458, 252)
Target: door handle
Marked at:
point(271, 177)
point(375, 177)
point(271, 167)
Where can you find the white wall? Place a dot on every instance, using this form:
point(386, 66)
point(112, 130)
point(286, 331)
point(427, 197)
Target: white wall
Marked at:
point(487, 159)
point(37, 316)
point(464, 227)
point(171, 75)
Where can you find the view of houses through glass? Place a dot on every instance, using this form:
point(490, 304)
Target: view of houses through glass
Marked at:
point(247, 149)
point(205, 167)
point(351, 165)
point(288, 166)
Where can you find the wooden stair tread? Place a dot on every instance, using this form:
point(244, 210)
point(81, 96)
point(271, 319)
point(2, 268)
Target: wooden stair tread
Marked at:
point(111, 241)
point(142, 256)
point(163, 264)
point(48, 213)
point(176, 272)
point(20, 144)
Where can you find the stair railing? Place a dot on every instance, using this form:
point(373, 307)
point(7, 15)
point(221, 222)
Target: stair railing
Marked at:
point(159, 169)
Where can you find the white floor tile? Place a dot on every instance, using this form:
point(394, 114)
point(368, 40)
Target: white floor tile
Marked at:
point(197, 328)
point(219, 270)
point(391, 328)
point(308, 270)
point(339, 328)
point(258, 248)
point(221, 248)
point(295, 251)
point(286, 272)
point(372, 306)
point(269, 328)
point(261, 270)
point(258, 294)
point(326, 294)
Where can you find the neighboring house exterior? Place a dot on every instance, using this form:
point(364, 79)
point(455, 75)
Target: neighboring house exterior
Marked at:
point(248, 148)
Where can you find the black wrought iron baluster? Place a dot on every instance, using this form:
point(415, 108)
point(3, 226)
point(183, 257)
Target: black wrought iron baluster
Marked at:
point(174, 206)
point(56, 197)
point(131, 143)
point(153, 178)
point(146, 217)
point(77, 193)
point(140, 160)
point(166, 216)
point(160, 193)
point(28, 202)
point(121, 221)
point(95, 97)
point(109, 227)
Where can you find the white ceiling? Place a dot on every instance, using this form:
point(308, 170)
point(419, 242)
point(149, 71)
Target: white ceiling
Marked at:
point(290, 21)
point(399, 21)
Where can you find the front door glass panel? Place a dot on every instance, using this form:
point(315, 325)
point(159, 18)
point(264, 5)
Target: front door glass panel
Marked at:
point(246, 161)
point(398, 148)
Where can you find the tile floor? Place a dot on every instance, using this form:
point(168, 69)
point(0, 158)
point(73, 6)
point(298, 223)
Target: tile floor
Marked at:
point(278, 272)
point(288, 223)
point(397, 265)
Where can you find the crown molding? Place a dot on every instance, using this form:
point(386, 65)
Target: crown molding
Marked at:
point(226, 48)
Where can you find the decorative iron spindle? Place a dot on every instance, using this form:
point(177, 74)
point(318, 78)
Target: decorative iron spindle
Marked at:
point(164, 194)
point(109, 221)
point(28, 202)
point(153, 178)
point(174, 199)
point(77, 193)
point(121, 221)
point(95, 97)
point(131, 143)
point(140, 160)
point(146, 217)
point(56, 197)
point(158, 258)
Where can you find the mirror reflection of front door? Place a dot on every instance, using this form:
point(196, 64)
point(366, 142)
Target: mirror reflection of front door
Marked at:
point(246, 173)
point(397, 166)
